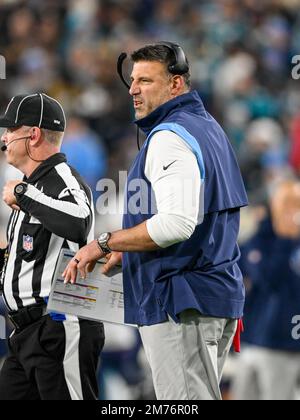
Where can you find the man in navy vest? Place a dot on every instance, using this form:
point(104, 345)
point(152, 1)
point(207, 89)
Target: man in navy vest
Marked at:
point(178, 246)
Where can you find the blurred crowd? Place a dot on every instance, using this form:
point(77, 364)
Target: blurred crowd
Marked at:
point(241, 62)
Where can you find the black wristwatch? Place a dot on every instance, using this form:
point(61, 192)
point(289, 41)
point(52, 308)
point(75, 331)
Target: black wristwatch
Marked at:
point(103, 242)
point(20, 189)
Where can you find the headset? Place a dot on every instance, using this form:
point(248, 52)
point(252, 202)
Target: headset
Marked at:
point(180, 65)
point(4, 148)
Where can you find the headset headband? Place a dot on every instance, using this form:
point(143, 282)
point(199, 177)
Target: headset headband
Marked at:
point(180, 65)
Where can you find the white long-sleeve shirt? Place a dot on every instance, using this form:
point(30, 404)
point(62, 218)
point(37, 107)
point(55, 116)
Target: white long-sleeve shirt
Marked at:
point(173, 170)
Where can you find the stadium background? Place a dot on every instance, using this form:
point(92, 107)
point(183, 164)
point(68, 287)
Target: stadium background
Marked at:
point(241, 60)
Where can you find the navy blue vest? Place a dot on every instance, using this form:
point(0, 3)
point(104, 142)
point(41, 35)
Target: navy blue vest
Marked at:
point(201, 273)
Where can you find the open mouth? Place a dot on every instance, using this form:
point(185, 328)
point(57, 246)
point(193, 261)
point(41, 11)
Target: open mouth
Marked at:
point(137, 104)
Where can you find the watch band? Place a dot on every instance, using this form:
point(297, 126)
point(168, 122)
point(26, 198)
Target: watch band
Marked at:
point(103, 243)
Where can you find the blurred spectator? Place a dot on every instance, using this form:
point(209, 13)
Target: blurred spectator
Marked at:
point(295, 149)
point(85, 151)
point(269, 366)
point(263, 158)
point(124, 373)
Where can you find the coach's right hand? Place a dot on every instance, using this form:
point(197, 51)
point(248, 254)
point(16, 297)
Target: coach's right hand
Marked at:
point(113, 259)
point(85, 261)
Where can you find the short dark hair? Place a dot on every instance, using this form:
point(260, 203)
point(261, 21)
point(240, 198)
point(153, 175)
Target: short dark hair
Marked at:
point(159, 53)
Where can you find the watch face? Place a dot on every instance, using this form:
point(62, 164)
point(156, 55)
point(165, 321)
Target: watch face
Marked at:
point(103, 237)
point(20, 189)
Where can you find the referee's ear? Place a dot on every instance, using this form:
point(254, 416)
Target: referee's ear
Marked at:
point(35, 136)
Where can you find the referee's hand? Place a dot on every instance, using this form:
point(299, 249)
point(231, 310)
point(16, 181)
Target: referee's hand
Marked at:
point(8, 194)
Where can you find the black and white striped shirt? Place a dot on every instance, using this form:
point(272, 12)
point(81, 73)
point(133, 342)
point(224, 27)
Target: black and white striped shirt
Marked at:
point(56, 212)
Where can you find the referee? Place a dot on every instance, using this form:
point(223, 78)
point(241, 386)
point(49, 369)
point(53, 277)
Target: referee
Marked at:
point(51, 357)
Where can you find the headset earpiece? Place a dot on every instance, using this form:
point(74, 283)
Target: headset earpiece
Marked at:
point(180, 65)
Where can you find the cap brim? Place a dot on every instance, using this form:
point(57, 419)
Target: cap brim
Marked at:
point(5, 123)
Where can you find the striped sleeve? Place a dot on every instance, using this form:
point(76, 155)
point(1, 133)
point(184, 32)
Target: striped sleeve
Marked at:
point(69, 216)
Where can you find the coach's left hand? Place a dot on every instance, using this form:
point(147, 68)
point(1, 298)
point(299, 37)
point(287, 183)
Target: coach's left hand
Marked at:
point(84, 261)
point(8, 194)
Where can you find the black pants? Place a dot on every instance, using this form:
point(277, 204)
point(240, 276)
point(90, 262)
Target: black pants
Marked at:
point(52, 360)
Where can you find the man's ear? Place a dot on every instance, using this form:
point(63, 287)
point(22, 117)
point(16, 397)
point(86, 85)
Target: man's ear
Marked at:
point(177, 85)
point(36, 136)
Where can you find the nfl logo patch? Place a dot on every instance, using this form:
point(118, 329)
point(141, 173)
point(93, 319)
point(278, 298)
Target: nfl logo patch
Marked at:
point(28, 243)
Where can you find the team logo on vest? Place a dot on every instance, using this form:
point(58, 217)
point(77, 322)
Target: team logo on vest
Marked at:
point(27, 243)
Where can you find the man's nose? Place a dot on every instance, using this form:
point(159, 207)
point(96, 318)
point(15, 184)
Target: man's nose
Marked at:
point(4, 137)
point(134, 89)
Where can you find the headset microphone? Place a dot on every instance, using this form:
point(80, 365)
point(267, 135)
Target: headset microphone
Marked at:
point(5, 147)
point(121, 60)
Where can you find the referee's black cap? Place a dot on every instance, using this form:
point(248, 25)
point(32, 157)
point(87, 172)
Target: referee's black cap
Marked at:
point(36, 110)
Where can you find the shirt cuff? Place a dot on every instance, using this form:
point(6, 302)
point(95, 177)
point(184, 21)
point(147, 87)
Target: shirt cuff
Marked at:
point(168, 230)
